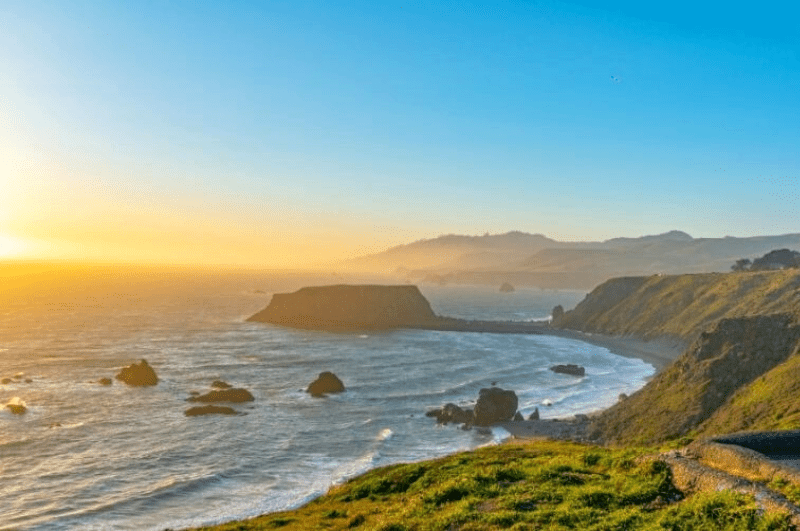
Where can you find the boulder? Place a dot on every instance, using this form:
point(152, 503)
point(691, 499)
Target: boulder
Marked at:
point(556, 315)
point(138, 374)
point(6, 381)
point(451, 413)
point(495, 405)
point(225, 395)
point(571, 369)
point(326, 382)
point(105, 381)
point(534, 415)
point(17, 406)
point(219, 384)
point(209, 410)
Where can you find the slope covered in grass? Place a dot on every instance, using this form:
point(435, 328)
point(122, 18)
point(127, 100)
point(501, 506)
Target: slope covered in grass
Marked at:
point(768, 403)
point(729, 356)
point(545, 485)
point(680, 307)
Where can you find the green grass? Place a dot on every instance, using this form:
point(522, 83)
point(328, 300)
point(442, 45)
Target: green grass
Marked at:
point(544, 485)
point(768, 403)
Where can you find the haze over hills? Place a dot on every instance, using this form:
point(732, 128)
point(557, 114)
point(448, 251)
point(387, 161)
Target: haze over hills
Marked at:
point(536, 260)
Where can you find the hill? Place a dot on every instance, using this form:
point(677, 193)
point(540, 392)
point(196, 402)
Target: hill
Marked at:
point(743, 338)
point(545, 485)
point(536, 260)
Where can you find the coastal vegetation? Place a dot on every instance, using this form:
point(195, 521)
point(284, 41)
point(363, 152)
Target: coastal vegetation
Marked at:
point(521, 486)
point(738, 373)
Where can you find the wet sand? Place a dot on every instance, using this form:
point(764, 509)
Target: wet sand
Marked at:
point(659, 353)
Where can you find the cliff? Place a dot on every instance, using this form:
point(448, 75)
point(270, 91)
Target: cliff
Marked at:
point(737, 373)
point(700, 383)
point(681, 307)
point(349, 307)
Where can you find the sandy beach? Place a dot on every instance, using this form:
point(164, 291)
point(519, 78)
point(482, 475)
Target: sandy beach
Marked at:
point(659, 353)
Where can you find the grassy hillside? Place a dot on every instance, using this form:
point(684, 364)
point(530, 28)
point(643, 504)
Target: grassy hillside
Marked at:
point(729, 356)
point(768, 403)
point(544, 485)
point(680, 307)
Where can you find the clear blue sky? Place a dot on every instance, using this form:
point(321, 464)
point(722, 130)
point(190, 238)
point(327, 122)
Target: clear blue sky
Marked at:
point(367, 124)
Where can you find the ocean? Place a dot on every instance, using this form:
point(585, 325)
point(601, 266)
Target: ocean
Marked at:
point(87, 456)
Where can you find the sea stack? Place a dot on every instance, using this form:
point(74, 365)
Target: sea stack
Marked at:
point(326, 382)
point(349, 307)
point(138, 374)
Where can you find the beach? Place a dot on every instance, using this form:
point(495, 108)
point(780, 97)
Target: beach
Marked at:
point(658, 353)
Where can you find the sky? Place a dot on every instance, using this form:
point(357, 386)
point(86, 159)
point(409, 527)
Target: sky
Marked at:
point(283, 134)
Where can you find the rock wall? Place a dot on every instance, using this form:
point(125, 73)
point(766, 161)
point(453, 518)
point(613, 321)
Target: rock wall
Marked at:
point(349, 307)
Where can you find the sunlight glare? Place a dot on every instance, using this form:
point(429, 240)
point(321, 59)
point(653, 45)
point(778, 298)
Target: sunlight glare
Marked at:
point(11, 246)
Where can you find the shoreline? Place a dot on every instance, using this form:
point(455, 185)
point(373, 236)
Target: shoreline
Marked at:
point(658, 353)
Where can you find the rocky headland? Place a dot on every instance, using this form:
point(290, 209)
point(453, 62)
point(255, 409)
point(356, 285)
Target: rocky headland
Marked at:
point(371, 307)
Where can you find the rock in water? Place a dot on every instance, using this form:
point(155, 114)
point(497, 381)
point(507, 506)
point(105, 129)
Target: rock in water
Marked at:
point(138, 374)
point(495, 405)
point(17, 406)
point(451, 413)
point(348, 307)
point(535, 414)
point(518, 417)
point(219, 384)
point(326, 382)
point(6, 381)
point(574, 370)
point(226, 395)
point(209, 410)
point(105, 381)
point(505, 287)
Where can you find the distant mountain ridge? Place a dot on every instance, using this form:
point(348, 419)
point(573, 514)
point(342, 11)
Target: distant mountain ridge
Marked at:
point(537, 260)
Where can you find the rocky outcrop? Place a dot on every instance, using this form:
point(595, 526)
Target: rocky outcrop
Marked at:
point(451, 413)
point(225, 395)
point(17, 406)
point(138, 374)
point(556, 315)
point(505, 287)
point(725, 358)
point(219, 384)
point(571, 369)
point(209, 410)
point(349, 307)
point(495, 405)
point(326, 383)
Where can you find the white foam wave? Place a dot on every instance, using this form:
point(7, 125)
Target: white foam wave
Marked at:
point(385, 434)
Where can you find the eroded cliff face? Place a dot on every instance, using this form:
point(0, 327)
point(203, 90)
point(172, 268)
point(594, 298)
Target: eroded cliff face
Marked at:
point(349, 307)
point(727, 357)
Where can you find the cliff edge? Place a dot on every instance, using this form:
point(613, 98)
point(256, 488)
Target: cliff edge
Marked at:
point(346, 307)
point(678, 308)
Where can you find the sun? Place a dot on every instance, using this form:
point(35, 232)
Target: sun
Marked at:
point(11, 246)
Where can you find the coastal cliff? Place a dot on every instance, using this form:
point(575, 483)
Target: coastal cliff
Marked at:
point(679, 308)
point(742, 334)
point(348, 307)
point(700, 383)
